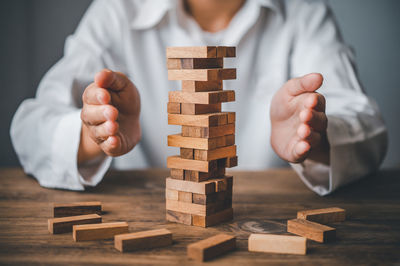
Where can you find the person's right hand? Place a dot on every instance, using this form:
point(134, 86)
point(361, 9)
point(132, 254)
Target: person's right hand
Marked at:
point(110, 116)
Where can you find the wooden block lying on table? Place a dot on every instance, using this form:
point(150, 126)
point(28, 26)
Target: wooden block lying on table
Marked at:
point(198, 109)
point(204, 120)
point(179, 217)
point(76, 208)
point(200, 86)
point(64, 224)
point(226, 51)
point(187, 164)
point(211, 247)
point(173, 108)
point(218, 153)
point(177, 140)
point(98, 231)
point(208, 132)
point(317, 232)
point(143, 240)
point(194, 63)
point(327, 215)
point(192, 52)
point(282, 244)
point(207, 97)
point(202, 74)
point(213, 219)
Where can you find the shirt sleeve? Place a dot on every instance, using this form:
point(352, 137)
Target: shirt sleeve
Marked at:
point(46, 130)
point(356, 131)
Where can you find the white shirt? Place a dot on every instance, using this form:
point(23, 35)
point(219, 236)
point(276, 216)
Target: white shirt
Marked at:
point(275, 40)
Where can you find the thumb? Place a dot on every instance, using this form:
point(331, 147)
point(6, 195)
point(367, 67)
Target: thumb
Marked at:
point(108, 79)
point(308, 83)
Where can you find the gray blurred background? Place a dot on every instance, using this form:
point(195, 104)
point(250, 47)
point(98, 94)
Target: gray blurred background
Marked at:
point(33, 34)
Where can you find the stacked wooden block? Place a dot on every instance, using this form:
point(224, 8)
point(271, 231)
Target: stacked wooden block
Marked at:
point(198, 192)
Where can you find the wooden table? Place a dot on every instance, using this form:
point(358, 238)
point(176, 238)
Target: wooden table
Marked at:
point(262, 203)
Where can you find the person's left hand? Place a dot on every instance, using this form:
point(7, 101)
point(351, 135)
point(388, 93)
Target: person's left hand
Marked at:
point(299, 122)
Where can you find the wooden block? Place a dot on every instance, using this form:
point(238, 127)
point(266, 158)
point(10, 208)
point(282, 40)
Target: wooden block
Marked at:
point(202, 74)
point(143, 240)
point(211, 247)
point(64, 224)
point(228, 162)
point(210, 198)
point(218, 153)
point(172, 194)
point(231, 117)
point(281, 244)
point(198, 109)
point(179, 217)
point(208, 132)
point(98, 231)
point(197, 176)
point(186, 164)
point(225, 51)
point(178, 174)
point(187, 153)
point(327, 215)
point(194, 63)
point(204, 187)
point(185, 196)
point(318, 232)
point(192, 52)
point(76, 208)
point(213, 219)
point(173, 108)
point(177, 140)
point(200, 86)
point(207, 97)
point(195, 209)
point(204, 120)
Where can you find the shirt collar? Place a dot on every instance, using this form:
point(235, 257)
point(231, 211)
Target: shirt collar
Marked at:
point(151, 12)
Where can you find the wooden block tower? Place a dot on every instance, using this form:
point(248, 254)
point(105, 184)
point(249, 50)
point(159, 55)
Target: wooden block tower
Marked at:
point(198, 192)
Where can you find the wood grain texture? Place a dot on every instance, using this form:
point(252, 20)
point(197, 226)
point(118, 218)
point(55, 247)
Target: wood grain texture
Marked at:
point(213, 219)
point(204, 120)
point(197, 176)
point(262, 200)
point(177, 140)
point(314, 231)
point(173, 108)
point(226, 51)
point(208, 132)
point(202, 74)
point(200, 86)
point(323, 216)
point(214, 154)
point(208, 97)
point(177, 174)
point(76, 208)
point(198, 109)
point(194, 63)
point(211, 247)
point(179, 217)
point(143, 240)
point(192, 52)
point(86, 232)
point(187, 164)
point(64, 224)
point(281, 244)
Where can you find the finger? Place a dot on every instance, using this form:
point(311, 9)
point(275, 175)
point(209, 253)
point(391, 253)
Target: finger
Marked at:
point(307, 83)
point(108, 79)
point(301, 150)
point(315, 101)
point(316, 120)
point(101, 132)
point(111, 146)
point(307, 134)
point(97, 114)
point(95, 95)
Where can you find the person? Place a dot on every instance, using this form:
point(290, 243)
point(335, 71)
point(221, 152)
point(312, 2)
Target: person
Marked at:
point(298, 98)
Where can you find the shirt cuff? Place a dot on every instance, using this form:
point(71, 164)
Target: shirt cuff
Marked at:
point(65, 152)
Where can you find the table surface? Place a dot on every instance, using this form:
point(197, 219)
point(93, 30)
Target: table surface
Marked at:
point(262, 201)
